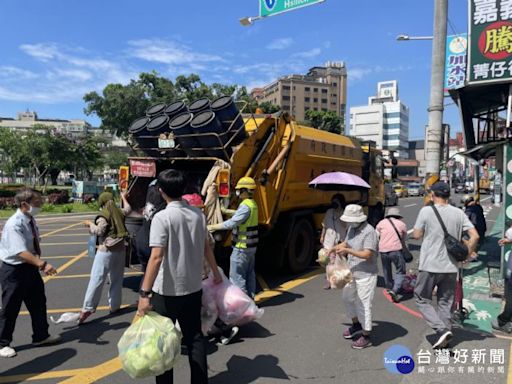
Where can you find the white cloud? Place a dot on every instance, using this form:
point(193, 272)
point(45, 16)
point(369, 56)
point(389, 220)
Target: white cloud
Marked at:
point(167, 52)
point(358, 73)
point(279, 44)
point(308, 54)
point(41, 51)
point(16, 73)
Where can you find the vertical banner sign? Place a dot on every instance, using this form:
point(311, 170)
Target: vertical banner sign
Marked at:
point(455, 72)
point(274, 7)
point(490, 41)
point(507, 192)
point(124, 175)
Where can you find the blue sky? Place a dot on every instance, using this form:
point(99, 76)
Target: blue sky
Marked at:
point(53, 52)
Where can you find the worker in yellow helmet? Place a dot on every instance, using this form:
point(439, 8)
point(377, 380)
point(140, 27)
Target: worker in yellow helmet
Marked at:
point(244, 224)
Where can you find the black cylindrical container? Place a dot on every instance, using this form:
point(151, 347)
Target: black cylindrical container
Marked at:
point(174, 109)
point(138, 129)
point(155, 110)
point(158, 125)
point(199, 105)
point(155, 127)
point(206, 123)
point(180, 126)
point(228, 114)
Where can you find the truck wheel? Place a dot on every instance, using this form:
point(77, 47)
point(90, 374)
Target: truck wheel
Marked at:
point(301, 246)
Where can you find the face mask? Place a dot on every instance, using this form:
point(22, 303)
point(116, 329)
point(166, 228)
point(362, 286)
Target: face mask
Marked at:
point(237, 193)
point(34, 210)
point(148, 211)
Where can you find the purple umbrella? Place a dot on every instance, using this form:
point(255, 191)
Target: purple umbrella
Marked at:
point(339, 181)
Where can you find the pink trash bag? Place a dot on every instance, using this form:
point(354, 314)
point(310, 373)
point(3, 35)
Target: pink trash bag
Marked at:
point(209, 312)
point(338, 273)
point(233, 305)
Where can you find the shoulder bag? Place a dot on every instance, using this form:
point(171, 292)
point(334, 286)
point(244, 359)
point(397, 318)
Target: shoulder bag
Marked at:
point(455, 248)
point(407, 255)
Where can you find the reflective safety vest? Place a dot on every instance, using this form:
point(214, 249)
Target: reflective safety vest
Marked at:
point(246, 234)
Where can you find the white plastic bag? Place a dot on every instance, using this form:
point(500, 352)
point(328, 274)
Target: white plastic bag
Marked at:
point(150, 346)
point(338, 273)
point(209, 312)
point(68, 317)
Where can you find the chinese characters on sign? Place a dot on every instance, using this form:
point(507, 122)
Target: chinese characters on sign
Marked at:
point(461, 361)
point(490, 47)
point(455, 72)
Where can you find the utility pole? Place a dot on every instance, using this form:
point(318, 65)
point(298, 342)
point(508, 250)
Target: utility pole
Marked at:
point(435, 109)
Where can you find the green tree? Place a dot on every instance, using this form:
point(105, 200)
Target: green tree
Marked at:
point(114, 159)
point(268, 107)
point(325, 120)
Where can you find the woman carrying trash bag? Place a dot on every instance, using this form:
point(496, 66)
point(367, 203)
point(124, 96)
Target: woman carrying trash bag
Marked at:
point(110, 257)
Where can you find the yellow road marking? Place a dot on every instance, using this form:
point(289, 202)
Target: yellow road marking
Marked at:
point(61, 229)
point(74, 243)
point(70, 234)
point(112, 366)
point(41, 376)
point(66, 265)
point(63, 310)
point(88, 275)
point(59, 257)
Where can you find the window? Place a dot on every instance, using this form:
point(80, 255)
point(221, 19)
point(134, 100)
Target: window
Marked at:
point(334, 84)
point(306, 110)
point(324, 109)
point(334, 96)
point(333, 103)
point(315, 89)
point(307, 99)
point(315, 100)
point(286, 87)
point(316, 109)
point(324, 101)
point(285, 107)
point(307, 89)
point(324, 90)
point(286, 97)
point(294, 87)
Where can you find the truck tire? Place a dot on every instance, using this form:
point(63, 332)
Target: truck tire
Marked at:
point(300, 246)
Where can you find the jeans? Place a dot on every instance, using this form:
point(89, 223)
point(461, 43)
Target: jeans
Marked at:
point(396, 258)
point(187, 310)
point(506, 315)
point(109, 262)
point(358, 298)
point(445, 282)
point(22, 283)
point(241, 270)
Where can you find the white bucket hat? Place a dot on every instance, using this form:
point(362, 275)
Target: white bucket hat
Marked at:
point(353, 213)
point(394, 212)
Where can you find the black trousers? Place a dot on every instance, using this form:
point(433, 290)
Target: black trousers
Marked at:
point(506, 315)
point(187, 310)
point(22, 284)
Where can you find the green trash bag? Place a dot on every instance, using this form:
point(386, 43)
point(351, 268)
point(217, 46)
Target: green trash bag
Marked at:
point(150, 346)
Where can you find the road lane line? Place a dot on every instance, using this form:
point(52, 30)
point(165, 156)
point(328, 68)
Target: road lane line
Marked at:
point(63, 310)
point(401, 306)
point(66, 265)
point(57, 277)
point(410, 205)
point(93, 374)
point(60, 230)
point(73, 243)
point(59, 257)
point(41, 376)
point(70, 234)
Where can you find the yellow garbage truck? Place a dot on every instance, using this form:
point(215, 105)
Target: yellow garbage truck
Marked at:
point(283, 157)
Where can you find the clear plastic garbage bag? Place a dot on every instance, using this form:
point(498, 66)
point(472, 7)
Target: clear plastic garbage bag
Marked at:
point(209, 312)
point(338, 273)
point(68, 317)
point(150, 346)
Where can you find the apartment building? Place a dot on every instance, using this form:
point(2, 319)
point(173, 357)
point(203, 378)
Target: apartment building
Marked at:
point(321, 89)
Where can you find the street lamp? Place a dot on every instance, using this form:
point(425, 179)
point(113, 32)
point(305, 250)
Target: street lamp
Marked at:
point(407, 37)
point(248, 21)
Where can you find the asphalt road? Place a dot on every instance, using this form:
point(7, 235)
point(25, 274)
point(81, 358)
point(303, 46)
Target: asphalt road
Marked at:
point(298, 339)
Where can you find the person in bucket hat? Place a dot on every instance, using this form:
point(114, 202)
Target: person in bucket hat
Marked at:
point(360, 248)
point(390, 251)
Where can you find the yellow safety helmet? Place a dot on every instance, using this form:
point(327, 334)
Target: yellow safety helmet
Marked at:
point(247, 183)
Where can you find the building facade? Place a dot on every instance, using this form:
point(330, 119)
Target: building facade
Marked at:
point(321, 89)
point(28, 119)
point(384, 120)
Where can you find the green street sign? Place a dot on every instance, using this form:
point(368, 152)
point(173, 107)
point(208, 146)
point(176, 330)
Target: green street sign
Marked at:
point(274, 7)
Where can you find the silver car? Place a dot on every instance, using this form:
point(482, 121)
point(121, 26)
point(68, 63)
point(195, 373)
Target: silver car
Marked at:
point(415, 189)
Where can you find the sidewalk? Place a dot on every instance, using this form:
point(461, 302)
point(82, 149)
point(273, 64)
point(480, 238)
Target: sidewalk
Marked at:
point(477, 300)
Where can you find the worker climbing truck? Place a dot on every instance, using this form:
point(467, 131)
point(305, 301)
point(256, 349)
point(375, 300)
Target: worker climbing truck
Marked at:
point(281, 155)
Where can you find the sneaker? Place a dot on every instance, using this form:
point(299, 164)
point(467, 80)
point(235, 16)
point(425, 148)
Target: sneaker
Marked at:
point(444, 338)
point(505, 327)
point(394, 296)
point(83, 316)
point(352, 331)
point(49, 340)
point(362, 342)
point(7, 352)
point(226, 340)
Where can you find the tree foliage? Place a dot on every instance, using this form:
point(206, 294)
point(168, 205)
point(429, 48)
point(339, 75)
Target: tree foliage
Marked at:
point(325, 120)
point(268, 107)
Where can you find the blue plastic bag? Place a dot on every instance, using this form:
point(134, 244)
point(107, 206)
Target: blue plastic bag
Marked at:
point(91, 246)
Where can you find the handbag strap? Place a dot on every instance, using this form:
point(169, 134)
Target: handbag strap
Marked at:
point(396, 230)
point(440, 220)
